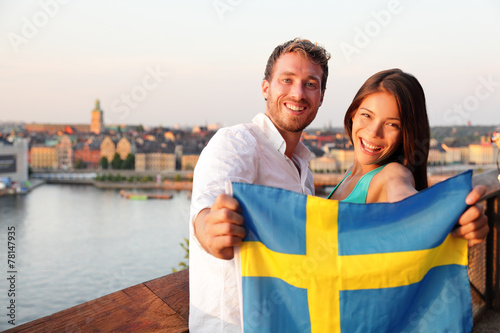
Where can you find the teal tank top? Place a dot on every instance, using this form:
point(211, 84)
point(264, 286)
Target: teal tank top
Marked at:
point(360, 191)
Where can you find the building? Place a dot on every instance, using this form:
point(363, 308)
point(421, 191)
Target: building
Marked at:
point(55, 128)
point(189, 154)
point(65, 153)
point(343, 157)
point(155, 156)
point(97, 123)
point(14, 159)
point(108, 148)
point(188, 161)
point(323, 164)
point(43, 157)
point(123, 148)
point(89, 153)
point(456, 155)
point(483, 153)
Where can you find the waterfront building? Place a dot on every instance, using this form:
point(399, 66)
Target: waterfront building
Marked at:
point(123, 148)
point(189, 153)
point(155, 156)
point(188, 161)
point(88, 152)
point(64, 153)
point(456, 155)
point(483, 153)
point(14, 159)
point(437, 156)
point(43, 157)
point(108, 148)
point(344, 158)
point(97, 123)
point(324, 164)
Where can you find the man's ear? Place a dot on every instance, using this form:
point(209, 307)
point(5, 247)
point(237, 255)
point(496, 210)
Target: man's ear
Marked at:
point(265, 89)
point(321, 100)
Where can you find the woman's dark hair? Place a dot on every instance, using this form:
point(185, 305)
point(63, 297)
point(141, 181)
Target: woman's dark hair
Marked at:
point(414, 148)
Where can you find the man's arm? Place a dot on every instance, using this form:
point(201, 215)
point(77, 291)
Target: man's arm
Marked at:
point(473, 224)
point(220, 227)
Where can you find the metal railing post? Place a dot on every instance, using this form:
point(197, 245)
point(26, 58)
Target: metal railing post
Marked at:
point(492, 253)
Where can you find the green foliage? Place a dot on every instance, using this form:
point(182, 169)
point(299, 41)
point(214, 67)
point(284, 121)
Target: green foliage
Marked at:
point(183, 264)
point(129, 162)
point(177, 178)
point(104, 163)
point(79, 164)
point(145, 179)
point(116, 163)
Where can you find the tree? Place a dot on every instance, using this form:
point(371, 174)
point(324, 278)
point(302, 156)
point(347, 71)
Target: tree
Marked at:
point(129, 162)
point(79, 164)
point(116, 163)
point(104, 163)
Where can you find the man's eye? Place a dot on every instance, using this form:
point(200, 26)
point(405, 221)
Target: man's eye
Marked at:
point(311, 84)
point(287, 80)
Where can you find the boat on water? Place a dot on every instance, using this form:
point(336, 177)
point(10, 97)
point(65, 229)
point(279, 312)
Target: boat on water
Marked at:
point(144, 196)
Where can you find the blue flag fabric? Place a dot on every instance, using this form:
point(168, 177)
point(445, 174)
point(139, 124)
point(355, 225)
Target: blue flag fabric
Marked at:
point(315, 265)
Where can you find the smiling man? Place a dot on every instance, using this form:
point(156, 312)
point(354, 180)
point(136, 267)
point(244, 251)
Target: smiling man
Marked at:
point(268, 152)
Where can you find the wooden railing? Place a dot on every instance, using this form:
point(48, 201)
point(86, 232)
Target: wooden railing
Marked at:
point(162, 305)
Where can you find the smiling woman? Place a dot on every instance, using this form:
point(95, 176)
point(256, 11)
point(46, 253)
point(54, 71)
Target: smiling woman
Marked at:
point(388, 126)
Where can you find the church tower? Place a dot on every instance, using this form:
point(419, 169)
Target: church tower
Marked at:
point(96, 124)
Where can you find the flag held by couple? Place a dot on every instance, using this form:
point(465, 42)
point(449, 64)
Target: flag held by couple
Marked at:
point(309, 264)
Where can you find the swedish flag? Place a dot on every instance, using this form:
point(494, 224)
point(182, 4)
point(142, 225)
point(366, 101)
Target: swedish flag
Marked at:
point(314, 265)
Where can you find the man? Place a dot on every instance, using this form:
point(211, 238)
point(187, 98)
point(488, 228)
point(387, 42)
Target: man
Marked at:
point(266, 152)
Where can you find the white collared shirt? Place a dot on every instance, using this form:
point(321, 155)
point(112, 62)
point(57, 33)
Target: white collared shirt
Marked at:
point(249, 153)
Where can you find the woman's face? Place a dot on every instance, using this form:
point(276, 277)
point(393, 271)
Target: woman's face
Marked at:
point(376, 129)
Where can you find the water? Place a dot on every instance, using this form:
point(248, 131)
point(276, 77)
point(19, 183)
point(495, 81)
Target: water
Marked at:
point(76, 243)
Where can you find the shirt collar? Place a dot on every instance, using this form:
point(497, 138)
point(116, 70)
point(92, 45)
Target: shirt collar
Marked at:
point(277, 140)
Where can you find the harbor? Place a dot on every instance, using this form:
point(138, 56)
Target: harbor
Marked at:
point(77, 243)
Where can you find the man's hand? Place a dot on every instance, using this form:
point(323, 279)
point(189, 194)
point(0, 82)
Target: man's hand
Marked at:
point(473, 224)
point(220, 227)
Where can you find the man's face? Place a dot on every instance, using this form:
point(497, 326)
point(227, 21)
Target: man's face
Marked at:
point(294, 93)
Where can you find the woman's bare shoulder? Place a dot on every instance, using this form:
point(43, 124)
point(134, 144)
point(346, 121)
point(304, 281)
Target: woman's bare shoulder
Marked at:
point(397, 182)
point(396, 171)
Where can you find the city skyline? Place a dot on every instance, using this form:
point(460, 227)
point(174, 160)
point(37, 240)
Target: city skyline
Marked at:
point(190, 64)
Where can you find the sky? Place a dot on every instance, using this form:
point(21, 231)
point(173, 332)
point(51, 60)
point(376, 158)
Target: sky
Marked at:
point(201, 62)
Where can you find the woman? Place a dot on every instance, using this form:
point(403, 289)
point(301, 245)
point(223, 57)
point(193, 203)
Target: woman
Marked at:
point(389, 129)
